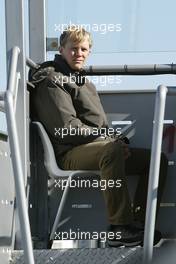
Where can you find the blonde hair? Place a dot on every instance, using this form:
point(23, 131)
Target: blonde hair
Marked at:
point(76, 34)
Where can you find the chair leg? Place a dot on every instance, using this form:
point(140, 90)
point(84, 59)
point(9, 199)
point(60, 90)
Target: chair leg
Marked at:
point(60, 209)
point(50, 243)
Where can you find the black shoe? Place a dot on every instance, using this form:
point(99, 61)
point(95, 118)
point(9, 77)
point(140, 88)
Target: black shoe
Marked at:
point(157, 234)
point(157, 237)
point(129, 236)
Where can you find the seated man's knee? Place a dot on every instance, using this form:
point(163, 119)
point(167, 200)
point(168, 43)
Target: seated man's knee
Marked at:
point(112, 151)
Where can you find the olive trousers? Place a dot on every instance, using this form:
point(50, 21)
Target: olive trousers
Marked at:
point(108, 157)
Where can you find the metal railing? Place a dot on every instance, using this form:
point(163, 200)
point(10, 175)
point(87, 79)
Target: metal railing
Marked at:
point(158, 124)
point(10, 105)
point(160, 103)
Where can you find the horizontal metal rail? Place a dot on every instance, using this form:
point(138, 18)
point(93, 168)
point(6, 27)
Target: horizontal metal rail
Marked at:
point(31, 64)
point(148, 69)
point(16, 159)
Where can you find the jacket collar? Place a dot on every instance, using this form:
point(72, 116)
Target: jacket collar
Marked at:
point(62, 66)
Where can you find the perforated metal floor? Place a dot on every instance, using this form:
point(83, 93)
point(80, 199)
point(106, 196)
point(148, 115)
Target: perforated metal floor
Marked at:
point(77, 256)
point(166, 253)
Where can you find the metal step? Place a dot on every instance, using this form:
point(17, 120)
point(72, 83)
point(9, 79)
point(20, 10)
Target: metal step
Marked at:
point(78, 256)
point(162, 254)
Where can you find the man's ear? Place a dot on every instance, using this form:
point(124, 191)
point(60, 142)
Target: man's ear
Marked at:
point(60, 50)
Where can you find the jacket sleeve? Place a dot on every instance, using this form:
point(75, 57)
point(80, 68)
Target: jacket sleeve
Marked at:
point(56, 111)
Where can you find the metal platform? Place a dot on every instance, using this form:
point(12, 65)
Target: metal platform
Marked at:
point(78, 256)
point(165, 253)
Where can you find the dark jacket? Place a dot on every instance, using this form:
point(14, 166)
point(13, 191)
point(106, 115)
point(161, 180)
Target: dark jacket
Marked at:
point(65, 99)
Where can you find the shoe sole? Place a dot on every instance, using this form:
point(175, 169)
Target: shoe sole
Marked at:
point(126, 244)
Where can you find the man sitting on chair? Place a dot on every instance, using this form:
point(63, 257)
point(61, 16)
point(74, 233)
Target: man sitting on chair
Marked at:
point(65, 101)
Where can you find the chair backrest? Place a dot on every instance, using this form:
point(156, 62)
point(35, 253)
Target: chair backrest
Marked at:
point(49, 156)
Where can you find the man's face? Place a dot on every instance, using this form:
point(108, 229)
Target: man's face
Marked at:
point(76, 54)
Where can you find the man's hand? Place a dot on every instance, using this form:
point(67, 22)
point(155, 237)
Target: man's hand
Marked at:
point(124, 142)
point(127, 152)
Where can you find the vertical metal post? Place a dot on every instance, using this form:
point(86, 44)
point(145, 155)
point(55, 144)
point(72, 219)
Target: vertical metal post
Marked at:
point(14, 12)
point(154, 173)
point(37, 30)
point(16, 159)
